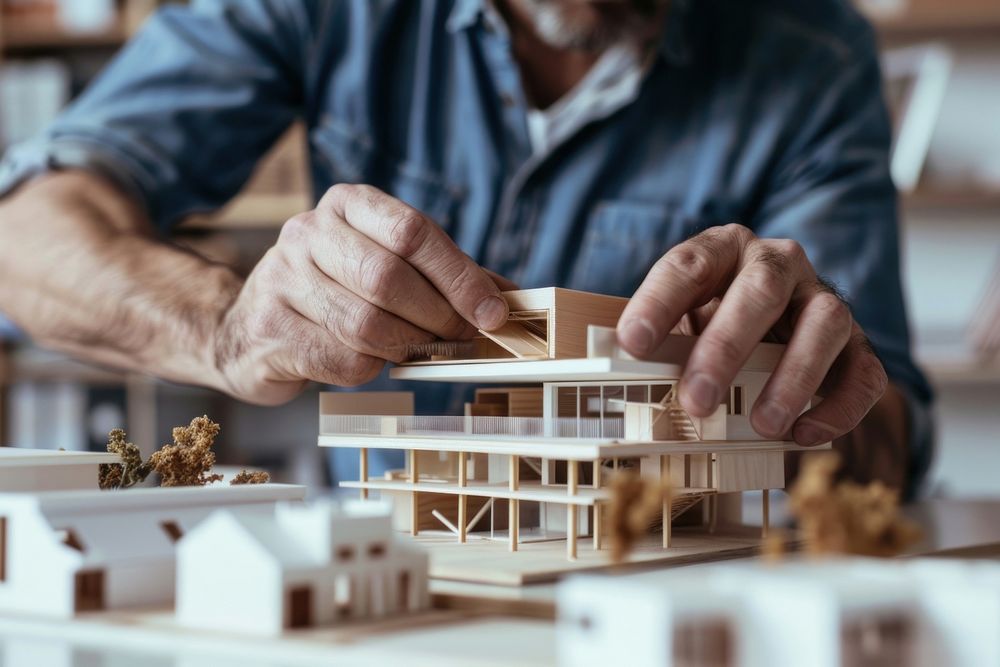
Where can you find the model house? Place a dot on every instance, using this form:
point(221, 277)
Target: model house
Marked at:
point(828, 614)
point(49, 469)
point(63, 552)
point(301, 566)
point(543, 452)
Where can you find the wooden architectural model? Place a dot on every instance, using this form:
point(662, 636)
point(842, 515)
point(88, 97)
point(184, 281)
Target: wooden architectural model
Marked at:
point(543, 452)
point(49, 470)
point(301, 566)
point(63, 552)
point(918, 613)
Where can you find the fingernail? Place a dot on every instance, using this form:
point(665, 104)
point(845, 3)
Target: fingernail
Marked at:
point(491, 313)
point(703, 392)
point(809, 433)
point(772, 418)
point(637, 336)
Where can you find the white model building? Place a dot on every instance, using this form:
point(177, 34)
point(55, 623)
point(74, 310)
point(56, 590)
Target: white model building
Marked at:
point(63, 552)
point(545, 452)
point(301, 566)
point(49, 469)
point(823, 614)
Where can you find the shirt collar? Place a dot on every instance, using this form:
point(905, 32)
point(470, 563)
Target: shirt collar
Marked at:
point(674, 45)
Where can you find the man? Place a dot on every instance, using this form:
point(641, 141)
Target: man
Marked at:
point(598, 145)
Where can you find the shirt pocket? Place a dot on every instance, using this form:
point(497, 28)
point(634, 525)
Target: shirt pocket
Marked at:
point(342, 155)
point(622, 241)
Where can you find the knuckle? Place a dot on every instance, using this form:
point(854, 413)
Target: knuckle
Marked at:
point(378, 271)
point(790, 249)
point(406, 231)
point(297, 228)
point(737, 232)
point(691, 263)
point(834, 314)
point(367, 323)
point(340, 192)
point(766, 287)
point(358, 369)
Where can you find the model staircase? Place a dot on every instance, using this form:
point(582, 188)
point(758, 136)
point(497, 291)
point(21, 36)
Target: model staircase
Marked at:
point(680, 423)
point(683, 502)
point(679, 504)
point(681, 426)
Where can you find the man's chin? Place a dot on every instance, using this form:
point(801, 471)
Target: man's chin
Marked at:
point(586, 26)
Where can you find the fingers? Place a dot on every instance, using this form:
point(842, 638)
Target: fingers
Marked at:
point(822, 328)
point(288, 348)
point(857, 382)
point(349, 258)
point(358, 324)
point(757, 297)
point(687, 277)
point(408, 234)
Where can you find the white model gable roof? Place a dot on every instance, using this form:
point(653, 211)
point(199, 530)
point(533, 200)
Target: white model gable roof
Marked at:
point(283, 545)
point(299, 536)
point(130, 525)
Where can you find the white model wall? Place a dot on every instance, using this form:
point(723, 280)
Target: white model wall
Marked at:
point(226, 582)
point(40, 571)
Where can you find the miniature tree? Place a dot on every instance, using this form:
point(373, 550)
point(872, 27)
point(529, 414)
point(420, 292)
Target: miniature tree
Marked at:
point(131, 471)
point(846, 517)
point(635, 504)
point(189, 459)
point(247, 477)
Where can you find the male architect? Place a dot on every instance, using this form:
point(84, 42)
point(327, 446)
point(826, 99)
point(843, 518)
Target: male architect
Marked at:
point(600, 146)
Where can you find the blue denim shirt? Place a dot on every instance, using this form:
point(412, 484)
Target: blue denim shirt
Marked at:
point(768, 113)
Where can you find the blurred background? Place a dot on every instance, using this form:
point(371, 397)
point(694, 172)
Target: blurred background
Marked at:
point(942, 69)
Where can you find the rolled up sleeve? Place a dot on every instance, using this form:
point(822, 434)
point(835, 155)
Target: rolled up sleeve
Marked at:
point(182, 114)
point(834, 194)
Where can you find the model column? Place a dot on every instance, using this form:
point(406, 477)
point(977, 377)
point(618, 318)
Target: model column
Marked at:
point(415, 500)
point(572, 477)
point(512, 507)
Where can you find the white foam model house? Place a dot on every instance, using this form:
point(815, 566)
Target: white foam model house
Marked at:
point(63, 552)
point(546, 450)
point(301, 566)
point(50, 470)
point(920, 613)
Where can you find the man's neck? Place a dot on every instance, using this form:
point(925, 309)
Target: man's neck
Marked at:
point(547, 73)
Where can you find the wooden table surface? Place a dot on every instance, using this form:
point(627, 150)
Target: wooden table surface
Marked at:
point(494, 633)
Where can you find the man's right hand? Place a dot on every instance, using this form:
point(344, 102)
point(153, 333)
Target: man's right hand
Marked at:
point(348, 286)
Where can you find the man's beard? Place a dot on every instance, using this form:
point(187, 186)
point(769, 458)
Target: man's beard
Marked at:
point(589, 25)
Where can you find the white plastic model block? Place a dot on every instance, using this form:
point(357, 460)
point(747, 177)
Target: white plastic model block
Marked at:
point(304, 565)
point(828, 614)
point(63, 552)
point(50, 470)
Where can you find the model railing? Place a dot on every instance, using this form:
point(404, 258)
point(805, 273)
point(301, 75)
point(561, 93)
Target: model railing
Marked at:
point(455, 426)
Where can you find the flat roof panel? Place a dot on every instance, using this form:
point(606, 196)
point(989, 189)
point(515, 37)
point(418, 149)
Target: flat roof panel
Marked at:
point(544, 370)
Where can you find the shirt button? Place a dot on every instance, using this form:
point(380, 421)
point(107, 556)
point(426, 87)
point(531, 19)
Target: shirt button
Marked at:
point(508, 100)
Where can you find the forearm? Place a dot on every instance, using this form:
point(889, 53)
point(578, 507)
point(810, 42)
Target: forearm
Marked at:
point(80, 271)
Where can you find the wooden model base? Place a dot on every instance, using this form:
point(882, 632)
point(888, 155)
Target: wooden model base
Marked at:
point(485, 561)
